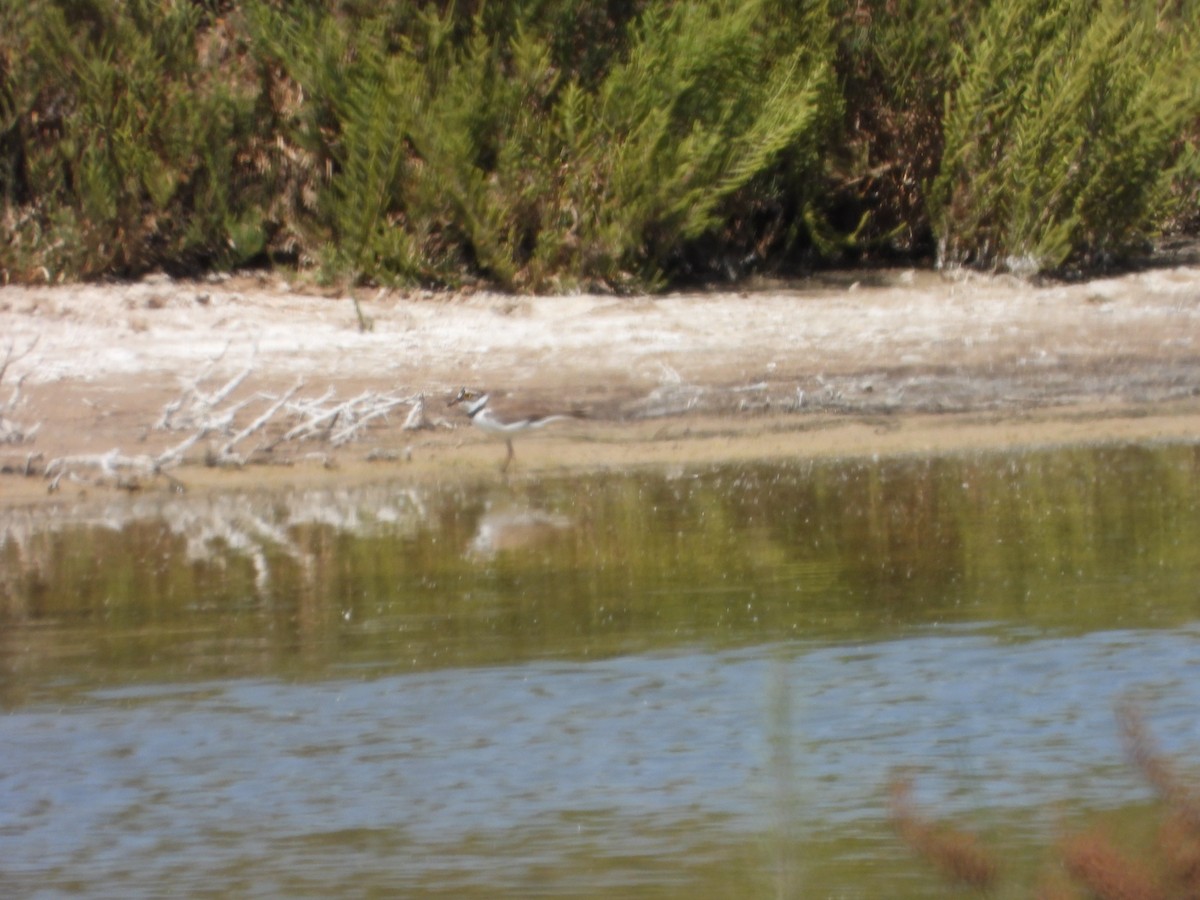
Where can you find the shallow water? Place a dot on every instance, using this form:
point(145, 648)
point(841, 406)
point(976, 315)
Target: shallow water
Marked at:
point(642, 683)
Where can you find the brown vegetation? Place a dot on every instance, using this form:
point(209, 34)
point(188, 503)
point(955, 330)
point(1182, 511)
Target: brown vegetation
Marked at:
point(1095, 863)
point(958, 855)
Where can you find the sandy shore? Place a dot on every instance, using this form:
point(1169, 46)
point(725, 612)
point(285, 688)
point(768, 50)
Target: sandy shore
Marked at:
point(850, 363)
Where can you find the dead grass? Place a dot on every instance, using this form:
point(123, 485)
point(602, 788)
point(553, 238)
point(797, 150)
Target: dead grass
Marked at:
point(1091, 862)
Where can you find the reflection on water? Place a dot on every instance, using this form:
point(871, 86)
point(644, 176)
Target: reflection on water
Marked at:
point(636, 683)
point(514, 529)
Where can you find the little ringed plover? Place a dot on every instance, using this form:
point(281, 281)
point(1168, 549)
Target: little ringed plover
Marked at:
point(505, 423)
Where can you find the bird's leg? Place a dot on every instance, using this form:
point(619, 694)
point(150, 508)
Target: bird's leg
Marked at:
point(509, 458)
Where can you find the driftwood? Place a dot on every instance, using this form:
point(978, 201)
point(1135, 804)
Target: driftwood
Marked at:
point(223, 425)
point(226, 450)
point(417, 419)
point(111, 468)
point(370, 408)
point(196, 408)
point(11, 431)
point(295, 419)
point(20, 463)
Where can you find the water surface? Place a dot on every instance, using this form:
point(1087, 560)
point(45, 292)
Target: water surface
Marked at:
point(637, 683)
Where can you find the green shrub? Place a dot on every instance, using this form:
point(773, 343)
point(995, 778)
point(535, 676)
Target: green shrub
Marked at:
point(713, 102)
point(539, 145)
point(128, 144)
point(449, 148)
point(1061, 133)
point(339, 107)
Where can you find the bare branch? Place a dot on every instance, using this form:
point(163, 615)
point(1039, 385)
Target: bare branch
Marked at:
point(111, 468)
point(262, 420)
point(12, 432)
point(11, 356)
point(322, 420)
point(196, 406)
point(416, 416)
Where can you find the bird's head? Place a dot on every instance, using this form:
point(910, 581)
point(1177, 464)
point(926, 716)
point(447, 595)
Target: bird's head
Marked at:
point(473, 398)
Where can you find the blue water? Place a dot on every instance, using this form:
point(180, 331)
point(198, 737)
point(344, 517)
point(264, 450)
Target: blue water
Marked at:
point(486, 774)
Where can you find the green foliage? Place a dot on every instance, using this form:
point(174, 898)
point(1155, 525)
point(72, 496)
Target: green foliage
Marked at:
point(707, 101)
point(537, 145)
point(449, 147)
point(345, 155)
point(132, 149)
point(1061, 132)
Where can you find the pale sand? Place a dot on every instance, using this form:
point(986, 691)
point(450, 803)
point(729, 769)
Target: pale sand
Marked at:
point(849, 364)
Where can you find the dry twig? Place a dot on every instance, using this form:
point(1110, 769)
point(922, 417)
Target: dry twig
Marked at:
point(11, 431)
point(958, 855)
point(204, 413)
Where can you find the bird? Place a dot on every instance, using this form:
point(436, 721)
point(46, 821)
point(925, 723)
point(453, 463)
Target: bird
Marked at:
point(486, 417)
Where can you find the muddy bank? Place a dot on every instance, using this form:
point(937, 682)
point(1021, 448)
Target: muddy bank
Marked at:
point(893, 361)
